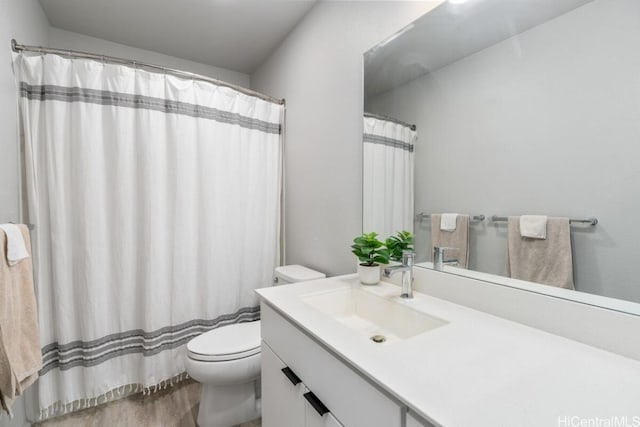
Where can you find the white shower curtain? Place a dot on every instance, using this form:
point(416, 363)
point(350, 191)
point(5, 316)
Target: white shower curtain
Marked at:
point(156, 202)
point(387, 176)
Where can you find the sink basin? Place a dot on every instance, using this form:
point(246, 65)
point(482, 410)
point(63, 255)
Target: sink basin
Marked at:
point(373, 315)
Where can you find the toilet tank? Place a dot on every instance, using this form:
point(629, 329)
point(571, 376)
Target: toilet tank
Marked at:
point(295, 273)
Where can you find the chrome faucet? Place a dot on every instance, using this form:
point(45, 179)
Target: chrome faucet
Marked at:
point(438, 257)
point(406, 268)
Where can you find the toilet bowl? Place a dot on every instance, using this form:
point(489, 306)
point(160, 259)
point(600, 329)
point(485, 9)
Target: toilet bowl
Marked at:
point(226, 360)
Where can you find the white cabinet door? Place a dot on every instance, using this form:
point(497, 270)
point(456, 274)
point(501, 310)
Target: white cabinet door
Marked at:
point(351, 398)
point(282, 401)
point(318, 418)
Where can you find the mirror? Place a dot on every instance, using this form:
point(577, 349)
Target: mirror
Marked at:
point(520, 107)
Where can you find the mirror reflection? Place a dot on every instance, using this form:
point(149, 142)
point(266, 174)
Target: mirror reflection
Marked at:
point(500, 128)
point(388, 158)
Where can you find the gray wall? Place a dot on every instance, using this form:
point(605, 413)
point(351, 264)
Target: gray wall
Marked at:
point(70, 40)
point(318, 69)
point(547, 122)
point(24, 21)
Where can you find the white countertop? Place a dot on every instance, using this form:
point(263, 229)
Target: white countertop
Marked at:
point(478, 370)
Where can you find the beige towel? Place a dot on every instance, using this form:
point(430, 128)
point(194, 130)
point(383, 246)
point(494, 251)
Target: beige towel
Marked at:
point(459, 239)
point(545, 261)
point(20, 355)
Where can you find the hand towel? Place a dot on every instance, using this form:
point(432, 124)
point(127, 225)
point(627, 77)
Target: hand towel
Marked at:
point(20, 354)
point(533, 226)
point(16, 249)
point(459, 239)
point(7, 381)
point(448, 221)
point(547, 261)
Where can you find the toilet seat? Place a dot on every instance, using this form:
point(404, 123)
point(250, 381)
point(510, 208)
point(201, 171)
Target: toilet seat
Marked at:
point(230, 342)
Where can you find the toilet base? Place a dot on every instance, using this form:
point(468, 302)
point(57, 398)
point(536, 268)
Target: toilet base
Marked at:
point(228, 405)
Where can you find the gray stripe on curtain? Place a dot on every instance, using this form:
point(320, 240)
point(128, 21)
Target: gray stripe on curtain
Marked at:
point(95, 352)
point(104, 97)
point(376, 139)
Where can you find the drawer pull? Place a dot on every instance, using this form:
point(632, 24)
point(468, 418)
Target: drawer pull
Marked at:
point(316, 403)
point(292, 377)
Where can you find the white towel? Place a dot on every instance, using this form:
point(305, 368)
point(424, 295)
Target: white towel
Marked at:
point(16, 249)
point(448, 221)
point(533, 226)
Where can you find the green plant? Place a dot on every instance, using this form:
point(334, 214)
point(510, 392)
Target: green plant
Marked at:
point(398, 243)
point(370, 250)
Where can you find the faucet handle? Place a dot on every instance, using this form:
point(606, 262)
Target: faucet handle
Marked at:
point(408, 257)
point(438, 255)
point(440, 250)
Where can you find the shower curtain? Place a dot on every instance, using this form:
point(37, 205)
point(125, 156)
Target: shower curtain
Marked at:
point(156, 202)
point(387, 176)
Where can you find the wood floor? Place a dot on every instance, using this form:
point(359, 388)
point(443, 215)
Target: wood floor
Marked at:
point(174, 407)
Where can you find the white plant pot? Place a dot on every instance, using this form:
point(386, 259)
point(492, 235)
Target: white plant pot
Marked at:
point(369, 274)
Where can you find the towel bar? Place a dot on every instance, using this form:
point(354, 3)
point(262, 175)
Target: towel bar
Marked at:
point(588, 221)
point(420, 216)
point(29, 226)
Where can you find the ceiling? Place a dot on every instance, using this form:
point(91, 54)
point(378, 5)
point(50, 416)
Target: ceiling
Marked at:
point(234, 34)
point(451, 32)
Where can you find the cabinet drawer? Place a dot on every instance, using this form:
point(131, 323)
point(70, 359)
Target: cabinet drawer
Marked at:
point(353, 401)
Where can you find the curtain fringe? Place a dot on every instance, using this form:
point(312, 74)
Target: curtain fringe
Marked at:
point(62, 408)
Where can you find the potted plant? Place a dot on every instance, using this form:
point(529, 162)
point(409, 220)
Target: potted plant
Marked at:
point(371, 252)
point(398, 243)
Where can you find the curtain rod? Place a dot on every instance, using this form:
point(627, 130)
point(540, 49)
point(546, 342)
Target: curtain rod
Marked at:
point(391, 119)
point(115, 60)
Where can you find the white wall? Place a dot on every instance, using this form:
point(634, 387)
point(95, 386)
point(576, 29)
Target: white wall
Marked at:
point(318, 70)
point(546, 122)
point(75, 41)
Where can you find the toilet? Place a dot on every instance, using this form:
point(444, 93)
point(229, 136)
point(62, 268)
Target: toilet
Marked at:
point(226, 361)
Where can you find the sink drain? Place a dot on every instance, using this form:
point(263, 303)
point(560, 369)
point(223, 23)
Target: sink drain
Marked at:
point(378, 339)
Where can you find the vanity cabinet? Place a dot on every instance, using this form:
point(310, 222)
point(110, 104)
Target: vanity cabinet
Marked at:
point(294, 364)
point(286, 401)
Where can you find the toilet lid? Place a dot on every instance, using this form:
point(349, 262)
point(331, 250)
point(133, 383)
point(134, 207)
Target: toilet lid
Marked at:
point(228, 342)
